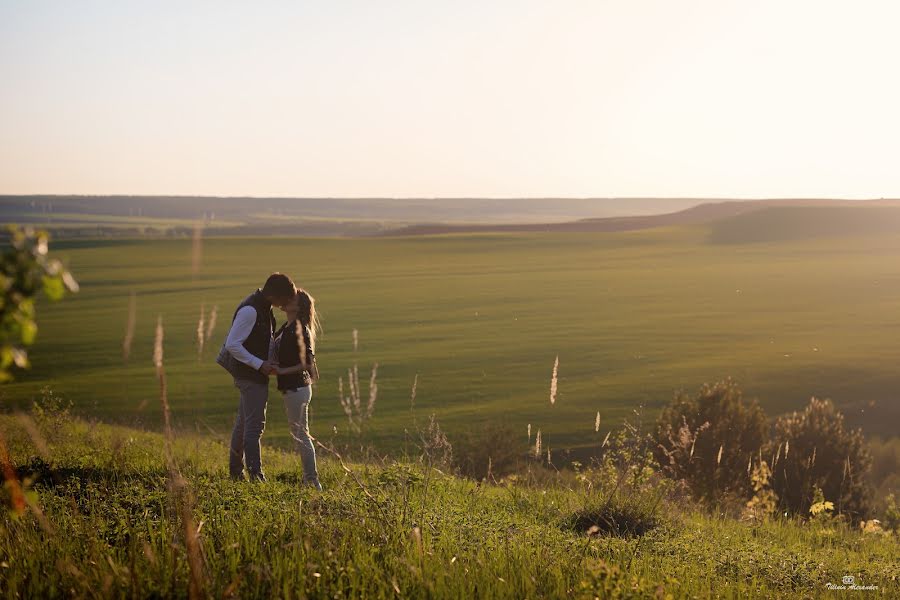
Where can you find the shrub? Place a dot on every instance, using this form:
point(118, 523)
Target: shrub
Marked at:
point(709, 439)
point(764, 502)
point(493, 449)
point(885, 473)
point(892, 515)
point(812, 448)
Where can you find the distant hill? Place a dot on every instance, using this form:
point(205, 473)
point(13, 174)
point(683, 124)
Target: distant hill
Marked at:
point(785, 223)
point(732, 219)
point(284, 211)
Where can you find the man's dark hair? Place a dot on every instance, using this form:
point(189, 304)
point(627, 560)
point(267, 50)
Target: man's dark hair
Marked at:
point(278, 285)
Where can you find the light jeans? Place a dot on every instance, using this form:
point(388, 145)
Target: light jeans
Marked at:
point(296, 405)
point(249, 425)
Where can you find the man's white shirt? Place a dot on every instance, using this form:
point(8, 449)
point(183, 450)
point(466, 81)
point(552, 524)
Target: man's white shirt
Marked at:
point(238, 334)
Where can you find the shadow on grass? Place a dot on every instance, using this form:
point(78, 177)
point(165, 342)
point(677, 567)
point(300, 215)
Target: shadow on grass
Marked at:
point(39, 472)
point(613, 519)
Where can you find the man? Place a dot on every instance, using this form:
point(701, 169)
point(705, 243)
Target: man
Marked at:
point(245, 355)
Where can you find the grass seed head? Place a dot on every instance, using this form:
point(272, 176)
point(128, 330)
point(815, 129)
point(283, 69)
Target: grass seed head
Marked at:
point(211, 324)
point(129, 327)
point(553, 381)
point(158, 344)
point(201, 331)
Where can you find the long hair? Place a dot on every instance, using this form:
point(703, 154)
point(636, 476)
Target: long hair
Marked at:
point(307, 315)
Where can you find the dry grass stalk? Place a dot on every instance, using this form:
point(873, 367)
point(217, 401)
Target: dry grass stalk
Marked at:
point(606, 439)
point(412, 396)
point(129, 327)
point(529, 434)
point(719, 457)
point(347, 405)
point(355, 340)
point(416, 536)
point(353, 476)
point(37, 439)
point(158, 345)
point(163, 391)
point(196, 249)
point(201, 331)
point(178, 488)
point(17, 502)
point(373, 392)
point(553, 379)
point(597, 423)
point(353, 376)
point(537, 444)
point(211, 324)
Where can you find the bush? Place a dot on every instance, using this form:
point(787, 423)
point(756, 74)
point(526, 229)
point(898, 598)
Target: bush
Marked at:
point(885, 473)
point(493, 449)
point(709, 439)
point(812, 448)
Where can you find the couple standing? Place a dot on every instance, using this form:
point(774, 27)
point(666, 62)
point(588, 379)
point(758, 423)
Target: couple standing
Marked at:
point(253, 351)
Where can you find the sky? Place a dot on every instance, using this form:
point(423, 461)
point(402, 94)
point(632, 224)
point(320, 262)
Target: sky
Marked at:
point(486, 98)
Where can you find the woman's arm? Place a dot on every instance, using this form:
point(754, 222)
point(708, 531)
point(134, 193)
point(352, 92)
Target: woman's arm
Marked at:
point(311, 367)
point(313, 370)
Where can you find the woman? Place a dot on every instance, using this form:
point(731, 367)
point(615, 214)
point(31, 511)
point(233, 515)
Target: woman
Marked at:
point(296, 370)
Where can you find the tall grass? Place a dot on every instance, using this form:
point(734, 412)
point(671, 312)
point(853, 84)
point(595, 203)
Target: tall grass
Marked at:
point(126, 526)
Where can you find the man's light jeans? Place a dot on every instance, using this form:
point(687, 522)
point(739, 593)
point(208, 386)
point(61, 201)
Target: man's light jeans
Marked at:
point(248, 429)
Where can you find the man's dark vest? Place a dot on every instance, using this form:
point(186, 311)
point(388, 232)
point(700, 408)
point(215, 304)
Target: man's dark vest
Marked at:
point(289, 356)
point(257, 343)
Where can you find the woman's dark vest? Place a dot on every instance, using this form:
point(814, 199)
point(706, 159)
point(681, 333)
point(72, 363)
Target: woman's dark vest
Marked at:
point(257, 343)
point(289, 356)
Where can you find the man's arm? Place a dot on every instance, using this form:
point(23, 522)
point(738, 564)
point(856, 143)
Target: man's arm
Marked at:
point(240, 331)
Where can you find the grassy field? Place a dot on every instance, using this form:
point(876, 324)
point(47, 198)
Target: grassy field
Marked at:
point(115, 521)
point(481, 318)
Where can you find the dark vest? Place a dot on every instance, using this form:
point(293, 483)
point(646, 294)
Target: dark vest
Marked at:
point(289, 356)
point(257, 343)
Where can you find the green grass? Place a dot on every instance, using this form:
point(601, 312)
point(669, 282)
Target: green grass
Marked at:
point(480, 319)
point(112, 528)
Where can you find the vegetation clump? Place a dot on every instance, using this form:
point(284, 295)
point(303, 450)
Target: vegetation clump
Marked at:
point(707, 440)
point(813, 449)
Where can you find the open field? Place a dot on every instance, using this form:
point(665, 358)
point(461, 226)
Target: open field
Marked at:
point(632, 316)
point(117, 523)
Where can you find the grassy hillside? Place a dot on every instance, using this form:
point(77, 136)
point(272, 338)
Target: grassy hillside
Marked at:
point(785, 223)
point(115, 521)
point(480, 320)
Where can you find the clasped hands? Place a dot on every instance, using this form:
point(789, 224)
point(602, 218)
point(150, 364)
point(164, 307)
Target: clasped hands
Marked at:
point(269, 367)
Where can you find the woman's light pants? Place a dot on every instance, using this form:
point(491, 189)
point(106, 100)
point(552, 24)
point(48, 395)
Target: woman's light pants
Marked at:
point(296, 405)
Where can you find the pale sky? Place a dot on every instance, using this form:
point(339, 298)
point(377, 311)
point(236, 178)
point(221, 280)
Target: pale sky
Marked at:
point(709, 98)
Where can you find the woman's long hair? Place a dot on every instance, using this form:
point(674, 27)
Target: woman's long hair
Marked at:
point(306, 314)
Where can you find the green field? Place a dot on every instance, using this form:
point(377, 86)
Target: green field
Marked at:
point(480, 318)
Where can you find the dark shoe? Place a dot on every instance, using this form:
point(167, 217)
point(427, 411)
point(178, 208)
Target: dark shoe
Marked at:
point(258, 478)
